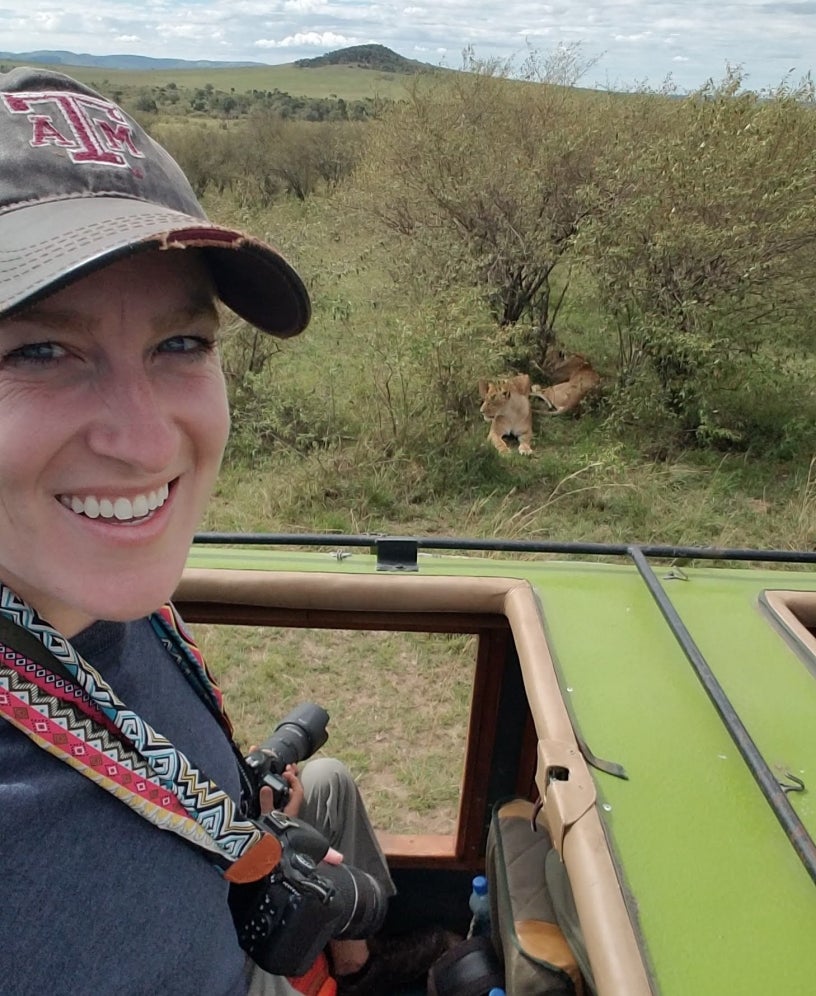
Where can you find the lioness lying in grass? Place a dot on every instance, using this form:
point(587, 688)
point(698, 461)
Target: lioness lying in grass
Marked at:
point(574, 378)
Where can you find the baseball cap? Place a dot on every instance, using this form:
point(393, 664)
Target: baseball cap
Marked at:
point(82, 184)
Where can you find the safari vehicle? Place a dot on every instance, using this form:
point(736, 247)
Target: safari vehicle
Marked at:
point(665, 716)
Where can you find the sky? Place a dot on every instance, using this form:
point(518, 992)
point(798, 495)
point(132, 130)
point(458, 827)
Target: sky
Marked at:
point(623, 43)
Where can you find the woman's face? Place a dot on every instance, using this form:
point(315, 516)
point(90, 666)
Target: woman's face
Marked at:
point(113, 421)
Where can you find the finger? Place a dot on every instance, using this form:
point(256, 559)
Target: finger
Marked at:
point(333, 857)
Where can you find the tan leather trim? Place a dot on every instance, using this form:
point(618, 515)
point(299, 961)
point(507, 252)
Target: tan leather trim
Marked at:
point(611, 945)
point(346, 592)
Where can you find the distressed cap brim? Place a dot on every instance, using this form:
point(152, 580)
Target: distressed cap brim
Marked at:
point(49, 244)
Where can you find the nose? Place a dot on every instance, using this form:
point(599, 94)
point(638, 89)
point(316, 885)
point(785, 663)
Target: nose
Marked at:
point(134, 423)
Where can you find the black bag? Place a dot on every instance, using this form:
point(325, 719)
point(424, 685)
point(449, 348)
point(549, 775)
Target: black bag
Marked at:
point(470, 968)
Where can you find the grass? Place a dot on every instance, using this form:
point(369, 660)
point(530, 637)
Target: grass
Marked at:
point(602, 498)
point(348, 82)
point(398, 706)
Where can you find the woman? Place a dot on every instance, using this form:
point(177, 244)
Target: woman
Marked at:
point(113, 421)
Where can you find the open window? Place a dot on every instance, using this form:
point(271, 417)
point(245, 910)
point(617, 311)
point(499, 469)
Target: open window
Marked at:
point(794, 615)
point(499, 743)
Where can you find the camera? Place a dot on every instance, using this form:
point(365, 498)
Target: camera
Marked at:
point(298, 735)
point(284, 919)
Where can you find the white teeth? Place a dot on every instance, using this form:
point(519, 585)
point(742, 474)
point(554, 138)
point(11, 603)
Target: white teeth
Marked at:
point(121, 509)
point(157, 498)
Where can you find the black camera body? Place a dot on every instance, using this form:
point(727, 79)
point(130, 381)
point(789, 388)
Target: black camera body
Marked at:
point(298, 735)
point(285, 919)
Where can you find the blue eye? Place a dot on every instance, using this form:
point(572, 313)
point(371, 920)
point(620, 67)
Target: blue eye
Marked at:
point(35, 353)
point(189, 344)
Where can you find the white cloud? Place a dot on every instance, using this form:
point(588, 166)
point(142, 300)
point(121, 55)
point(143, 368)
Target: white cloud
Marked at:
point(191, 32)
point(304, 6)
point(310, 39)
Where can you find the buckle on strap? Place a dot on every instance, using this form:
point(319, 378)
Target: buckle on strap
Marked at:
point(258, 861)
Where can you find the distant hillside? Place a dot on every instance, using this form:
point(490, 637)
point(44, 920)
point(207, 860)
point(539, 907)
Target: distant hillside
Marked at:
point(378, 57)
point(139, 62)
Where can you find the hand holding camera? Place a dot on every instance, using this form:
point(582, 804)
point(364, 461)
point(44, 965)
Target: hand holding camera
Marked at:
point(298, 735)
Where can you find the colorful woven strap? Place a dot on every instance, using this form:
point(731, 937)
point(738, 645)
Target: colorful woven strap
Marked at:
point(79, 719)
point(181, 646)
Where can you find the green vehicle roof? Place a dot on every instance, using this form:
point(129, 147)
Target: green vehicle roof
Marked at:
point(722, 900)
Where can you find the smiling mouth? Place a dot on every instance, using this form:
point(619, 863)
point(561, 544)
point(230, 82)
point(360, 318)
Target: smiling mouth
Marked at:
point(121, 509)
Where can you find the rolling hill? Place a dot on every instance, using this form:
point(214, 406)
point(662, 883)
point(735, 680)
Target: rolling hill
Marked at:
point(140, 62)
point(378, 57)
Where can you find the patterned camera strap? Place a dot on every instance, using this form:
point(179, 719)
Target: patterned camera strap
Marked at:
point(65, 706)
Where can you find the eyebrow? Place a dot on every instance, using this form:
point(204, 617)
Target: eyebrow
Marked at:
point(201, 307)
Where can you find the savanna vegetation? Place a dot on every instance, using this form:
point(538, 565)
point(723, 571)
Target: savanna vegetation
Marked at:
point(457, 230)
point(462, 230)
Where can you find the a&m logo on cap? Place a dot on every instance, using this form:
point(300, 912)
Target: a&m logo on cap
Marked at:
point(91, 130)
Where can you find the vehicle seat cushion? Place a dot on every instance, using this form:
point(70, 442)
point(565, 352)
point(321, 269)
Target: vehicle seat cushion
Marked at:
point(537, 957)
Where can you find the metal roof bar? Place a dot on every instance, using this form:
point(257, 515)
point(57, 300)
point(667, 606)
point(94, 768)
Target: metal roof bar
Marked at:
point(796, 831)
point(511, 546)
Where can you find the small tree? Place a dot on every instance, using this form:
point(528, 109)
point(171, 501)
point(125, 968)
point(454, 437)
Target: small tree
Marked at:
point(205, 153)
point(480, 174)
point(299, 157)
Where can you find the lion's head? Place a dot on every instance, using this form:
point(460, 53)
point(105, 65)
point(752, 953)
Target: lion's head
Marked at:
point(494, 398)
point(496, 395)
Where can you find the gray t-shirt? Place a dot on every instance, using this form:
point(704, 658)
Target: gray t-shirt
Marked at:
point(96, 901)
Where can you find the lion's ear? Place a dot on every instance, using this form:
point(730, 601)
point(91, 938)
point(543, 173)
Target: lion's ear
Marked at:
point(484, 386)
point(522, 382)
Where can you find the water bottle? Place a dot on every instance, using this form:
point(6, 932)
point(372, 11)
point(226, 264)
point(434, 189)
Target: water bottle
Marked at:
point(480, 908)
point(496, 991)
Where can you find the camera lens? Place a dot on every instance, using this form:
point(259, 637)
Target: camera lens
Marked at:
point(297, 736)
point(359, 903)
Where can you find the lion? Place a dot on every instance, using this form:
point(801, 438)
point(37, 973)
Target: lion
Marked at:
point(574, 378)
point(506, 406)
